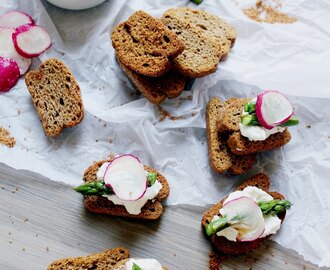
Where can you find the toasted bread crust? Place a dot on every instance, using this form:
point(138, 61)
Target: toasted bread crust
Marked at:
point(221, 159)
point(98, 204)
point(56, 96)
point(105, 260)
point(145, 45)
point(222, 244)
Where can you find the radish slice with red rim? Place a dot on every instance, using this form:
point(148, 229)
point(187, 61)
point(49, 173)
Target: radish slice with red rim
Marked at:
point(13, 19)
point(127, 177)
point(273, 108)
point(7, 49)
point(250, 222)
point(9, 74)
point(31, 40)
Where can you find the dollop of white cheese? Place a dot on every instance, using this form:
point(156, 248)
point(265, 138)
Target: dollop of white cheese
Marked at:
point(134, 207)
point(145, 264)
point(258, 133)
point(100, 173)
point(272, 223)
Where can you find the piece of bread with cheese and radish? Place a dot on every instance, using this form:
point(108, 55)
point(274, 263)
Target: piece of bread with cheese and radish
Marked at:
point(123, 186)
point(246, 218)
point(242, 127)
point(111, 259)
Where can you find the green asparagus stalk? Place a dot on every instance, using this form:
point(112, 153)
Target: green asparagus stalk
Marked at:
point(152, 177)
point(197, 1)
point(272, 207)
point(250, 107)
point(250, 120)
point(136, 267)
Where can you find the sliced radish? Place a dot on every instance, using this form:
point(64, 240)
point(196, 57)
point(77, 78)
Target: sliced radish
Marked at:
point(250, 223)
point(127, 177)
point(13, 19)
point(9, 74)
point(31, 40)
point(272, 109)
point(7, 49)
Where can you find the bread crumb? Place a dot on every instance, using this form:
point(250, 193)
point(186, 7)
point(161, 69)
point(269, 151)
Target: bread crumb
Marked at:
point(6, 139)
point(268, 12)
point(23, 249)
point(47, 249)
point(308, 126)
point(3, 188)
point(26, 219)
point(165, 114)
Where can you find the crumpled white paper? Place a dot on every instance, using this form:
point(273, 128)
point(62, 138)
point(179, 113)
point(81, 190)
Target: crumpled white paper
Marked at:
point(292, 58)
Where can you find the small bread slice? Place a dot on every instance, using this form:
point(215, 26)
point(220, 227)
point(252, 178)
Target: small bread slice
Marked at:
point(105, 260)
point(210, 25)
point(222, 244)
point(228, 124)
point(156, 90)
point(201, 55)
point(56, 96)
point(121, 265)
point(145, 45)
point(98, 204)
point(221, 159)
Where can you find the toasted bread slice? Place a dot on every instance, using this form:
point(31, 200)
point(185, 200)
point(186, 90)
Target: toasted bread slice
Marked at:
point(221, 159)
point(98, 204)
point(228, 124)
point(229, 247)
point(121, 265)
point(156, 90)
point(210, 25)
point(145, 45)
point(105, 260)
point(202, 53)
point(56, 96)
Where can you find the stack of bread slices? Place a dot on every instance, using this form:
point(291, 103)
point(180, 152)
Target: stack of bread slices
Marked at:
point(158, 55)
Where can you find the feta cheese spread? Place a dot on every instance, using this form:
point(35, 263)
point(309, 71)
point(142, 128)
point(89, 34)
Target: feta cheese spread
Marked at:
point(145, 264)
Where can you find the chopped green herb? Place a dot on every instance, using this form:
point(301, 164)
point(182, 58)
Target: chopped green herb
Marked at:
point(136, 267)
point(197, 1)
point(152, 177)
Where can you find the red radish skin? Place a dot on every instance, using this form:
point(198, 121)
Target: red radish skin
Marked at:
point(31, 40)
point(7, 49)
point(237, 205)
point(13, 19)
point(9, 74)
point(113, 177)
point(261, 114)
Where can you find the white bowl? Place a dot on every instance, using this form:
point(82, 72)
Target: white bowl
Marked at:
point(76, 4)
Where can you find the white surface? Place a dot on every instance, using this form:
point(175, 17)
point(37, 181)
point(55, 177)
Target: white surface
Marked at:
point(291, 58)
point(76, 4)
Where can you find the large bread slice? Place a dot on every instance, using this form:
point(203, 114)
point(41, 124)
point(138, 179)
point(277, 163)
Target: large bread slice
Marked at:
point(221, 159)
point(210, 25)
point(98, 204)
point(228, 123)
point(105, 260)
point(145, 45)
point(201, 55)
point(156, 90)
point(229, 247)
point(56, 96)
point(121, 265)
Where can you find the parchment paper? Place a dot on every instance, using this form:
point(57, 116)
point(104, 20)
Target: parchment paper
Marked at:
point(292, 58)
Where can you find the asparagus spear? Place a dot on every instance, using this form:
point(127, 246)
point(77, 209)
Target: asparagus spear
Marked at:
point(136, 267)
point(197, 1)
point(272, 207)
point(100, 188)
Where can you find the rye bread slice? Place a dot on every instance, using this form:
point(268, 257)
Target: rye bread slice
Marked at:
point(156, 90)
point(121, 265)
point(239, 145)
point(105, 260)
point(201, 55)
point(210, 25)
point(98, 204)
point(145, 45)
point(56, 96)
point(223, 245)
point(221, 159)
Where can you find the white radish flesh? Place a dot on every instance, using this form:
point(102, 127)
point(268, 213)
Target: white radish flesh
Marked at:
point(272, 109)
point(7, 49)
point(13, 19)
point(9, 74)
point(250, 223)
point(127, 177)
point(31, 40)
